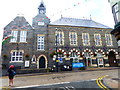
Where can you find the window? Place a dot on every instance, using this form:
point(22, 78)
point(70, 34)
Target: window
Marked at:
point(115, 11)
point(14, 34)
point(97, 38)
point(73, 38)
point(99, 54)
point(85, 39)
point(117, 15)
point(40, 42)
point(74, 54)
point(116, 7)
point(60, 37)
point(16, 56)
point(23, 36)
point(87, 54)
point(108, 40)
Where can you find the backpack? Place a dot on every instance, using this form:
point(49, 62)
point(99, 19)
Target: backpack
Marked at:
point(13, 72)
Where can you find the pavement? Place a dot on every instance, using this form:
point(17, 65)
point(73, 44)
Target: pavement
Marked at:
point(111, 81)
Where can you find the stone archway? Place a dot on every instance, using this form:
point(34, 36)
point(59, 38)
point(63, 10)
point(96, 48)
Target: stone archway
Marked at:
point(42, 61)
point(112, 59)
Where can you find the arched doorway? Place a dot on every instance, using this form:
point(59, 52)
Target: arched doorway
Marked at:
point(42, 62)
point(112, 59)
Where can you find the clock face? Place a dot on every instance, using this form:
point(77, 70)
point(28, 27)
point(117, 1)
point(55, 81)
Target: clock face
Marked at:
point(41, 11)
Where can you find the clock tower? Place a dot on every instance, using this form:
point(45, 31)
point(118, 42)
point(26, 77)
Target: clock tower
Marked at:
point(41, 8)
point(40, 20)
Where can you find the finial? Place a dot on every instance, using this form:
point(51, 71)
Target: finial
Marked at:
point(90, 17)
point(20, 14)
point(61, 15)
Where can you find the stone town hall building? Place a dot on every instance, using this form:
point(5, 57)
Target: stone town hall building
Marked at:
point(76, 40)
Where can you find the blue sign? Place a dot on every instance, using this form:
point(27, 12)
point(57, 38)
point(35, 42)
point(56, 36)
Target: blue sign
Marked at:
point(78, 65)
point(60, 59)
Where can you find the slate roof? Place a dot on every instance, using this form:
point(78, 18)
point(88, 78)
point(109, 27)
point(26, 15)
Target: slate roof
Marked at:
point(18, 23)
point(78, 22)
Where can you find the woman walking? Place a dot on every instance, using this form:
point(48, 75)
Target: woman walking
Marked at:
point(11, 74)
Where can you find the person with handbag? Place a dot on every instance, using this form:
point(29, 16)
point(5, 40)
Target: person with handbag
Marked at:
point(11, 74)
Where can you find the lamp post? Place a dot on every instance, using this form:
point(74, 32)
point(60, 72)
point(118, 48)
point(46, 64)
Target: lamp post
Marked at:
point(56, 61)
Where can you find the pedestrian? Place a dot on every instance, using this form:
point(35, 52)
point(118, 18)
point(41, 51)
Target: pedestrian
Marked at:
point(11, 74)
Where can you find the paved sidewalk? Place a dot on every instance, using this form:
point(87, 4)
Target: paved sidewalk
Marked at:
point(40, 78)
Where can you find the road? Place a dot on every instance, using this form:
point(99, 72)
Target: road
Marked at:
point(85, 79)
point(89, 84)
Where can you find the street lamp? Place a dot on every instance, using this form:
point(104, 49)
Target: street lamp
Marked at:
point(56, 61)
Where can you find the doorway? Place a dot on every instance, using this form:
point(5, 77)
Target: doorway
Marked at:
point(112, 59)
point(42, 62)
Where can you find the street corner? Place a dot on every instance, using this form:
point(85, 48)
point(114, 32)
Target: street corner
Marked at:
point(101, 84)
point(111, 82)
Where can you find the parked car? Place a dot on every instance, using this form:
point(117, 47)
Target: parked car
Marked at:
point(65, 67)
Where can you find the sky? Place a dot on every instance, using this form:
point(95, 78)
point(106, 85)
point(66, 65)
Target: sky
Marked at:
point(97, 10)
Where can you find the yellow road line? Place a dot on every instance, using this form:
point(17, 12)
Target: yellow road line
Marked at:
point(5, 88)
point(100, 84)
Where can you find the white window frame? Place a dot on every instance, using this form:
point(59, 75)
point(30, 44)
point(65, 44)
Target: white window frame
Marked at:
point(16, 56)
point(108, 38)
point(85, 39)
point(60, 37)
point(97, 38)
point(40, 42)
point(14, 34)
point(73, 38)
point(23, 35)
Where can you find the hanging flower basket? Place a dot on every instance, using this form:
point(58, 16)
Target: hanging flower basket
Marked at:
point(67, 55)
point(27, 56)
point(60, 52)
point(53, 53)
point(5, 56)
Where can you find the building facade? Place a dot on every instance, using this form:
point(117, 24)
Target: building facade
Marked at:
point(115, 5)
point(68, 39)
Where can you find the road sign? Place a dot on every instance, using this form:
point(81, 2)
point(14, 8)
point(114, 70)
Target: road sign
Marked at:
point(78, 65)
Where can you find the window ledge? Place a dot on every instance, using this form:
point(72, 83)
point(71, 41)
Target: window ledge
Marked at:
point(33, 62)
point(22, 42)
point(40, 50)
point(16, 61)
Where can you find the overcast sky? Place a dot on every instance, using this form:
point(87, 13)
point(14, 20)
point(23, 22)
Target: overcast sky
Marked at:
point(99, 10)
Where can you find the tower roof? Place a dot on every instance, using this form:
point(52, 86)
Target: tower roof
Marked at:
point(41, 5)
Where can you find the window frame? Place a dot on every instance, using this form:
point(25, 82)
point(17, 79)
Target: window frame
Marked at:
point(109, 41)
point(14, 34)
point(18, 54)
point(85, 40)
point(97, 41)
point(60, 37)
point(73, 38)
point(23, 36)
point(40, 42)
